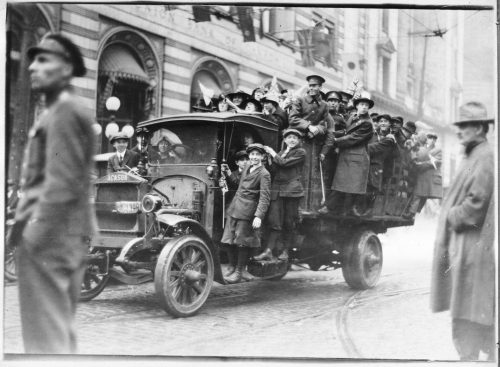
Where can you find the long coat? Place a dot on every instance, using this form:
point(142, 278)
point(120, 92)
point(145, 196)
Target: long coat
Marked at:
point(253, 195)
point(353, 162)
point(307, 111)
point(287, 180)
point(130, 159)
point(429, 182)
point(380, 152)
point(463, 271)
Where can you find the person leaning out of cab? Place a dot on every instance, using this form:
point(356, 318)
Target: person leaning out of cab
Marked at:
point(286, 192)
point(246, 212)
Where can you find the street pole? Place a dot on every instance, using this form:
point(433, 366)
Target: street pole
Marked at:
point(420, 109)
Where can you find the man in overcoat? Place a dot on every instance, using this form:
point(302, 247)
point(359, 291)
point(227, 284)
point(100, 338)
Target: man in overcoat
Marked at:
point(54, 218)
point(333, 99)
point(463, 271)
point(351, 179)
point(124, 159)
point(309, 115)
point(286, 192)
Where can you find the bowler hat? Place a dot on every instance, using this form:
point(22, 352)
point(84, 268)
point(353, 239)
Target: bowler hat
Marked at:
point(292, 131)
point(363, 99)
point(119, 135)
point(58, 44)
point(410, 127)
point(473, 113)
point(315, 79)
point(333, 95)
point(240, 154)
point(256, 146)
point(258, 105)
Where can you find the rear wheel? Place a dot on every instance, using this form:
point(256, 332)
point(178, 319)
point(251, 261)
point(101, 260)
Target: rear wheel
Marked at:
point(362, 260)
point(184, 275)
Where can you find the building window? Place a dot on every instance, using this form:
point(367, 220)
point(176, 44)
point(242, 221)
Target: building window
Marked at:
point(279, 24)
point(212, 76)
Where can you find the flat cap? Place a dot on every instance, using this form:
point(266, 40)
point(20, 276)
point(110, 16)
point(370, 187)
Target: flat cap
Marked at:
point(119, 135)
point(292, 131)
point(256, 146)
point(58, 44)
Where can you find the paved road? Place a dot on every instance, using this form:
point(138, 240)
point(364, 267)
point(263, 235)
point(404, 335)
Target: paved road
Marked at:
point(305, 315)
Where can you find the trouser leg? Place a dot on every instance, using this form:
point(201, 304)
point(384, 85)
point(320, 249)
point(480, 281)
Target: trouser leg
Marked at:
point(335, 201)
point(290, 217)
point(49, 287)
point(232, 254)
point(243, 255)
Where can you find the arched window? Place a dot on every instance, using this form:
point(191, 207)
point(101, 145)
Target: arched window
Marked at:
point(213, 75)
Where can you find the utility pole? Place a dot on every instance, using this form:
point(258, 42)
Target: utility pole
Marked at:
point(437, 33)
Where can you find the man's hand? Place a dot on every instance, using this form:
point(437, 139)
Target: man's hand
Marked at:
point(256, 223)
point(225, 169)
point(321, 157)
point(270, 151)
point(313, 129)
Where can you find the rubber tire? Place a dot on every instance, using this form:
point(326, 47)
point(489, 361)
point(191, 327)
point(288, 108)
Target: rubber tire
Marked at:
point(354, 260)
point(161, 275)
point(86, 296)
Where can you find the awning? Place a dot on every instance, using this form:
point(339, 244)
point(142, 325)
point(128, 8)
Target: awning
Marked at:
point(118, 61)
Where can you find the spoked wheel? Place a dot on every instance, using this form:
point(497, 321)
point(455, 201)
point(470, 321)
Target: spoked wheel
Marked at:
point(94, 281)
point(184, 275)
point(362, 260)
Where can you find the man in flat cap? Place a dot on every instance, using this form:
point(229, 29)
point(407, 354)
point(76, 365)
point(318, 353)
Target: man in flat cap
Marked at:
point(463, 271)
point(54, 218)
point(309, 115)
point(124, 159)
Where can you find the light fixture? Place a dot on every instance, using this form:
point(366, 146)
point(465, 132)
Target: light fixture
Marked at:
point(113, 104)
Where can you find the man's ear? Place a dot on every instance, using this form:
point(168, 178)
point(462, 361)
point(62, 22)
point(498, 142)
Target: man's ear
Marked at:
point(68, 70)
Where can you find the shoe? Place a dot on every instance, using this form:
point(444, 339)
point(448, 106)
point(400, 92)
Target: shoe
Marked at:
point(246, 276)
point(266, 255)
point(235, 277)
point(284, 255)
point(323, 211)
point(230, 270)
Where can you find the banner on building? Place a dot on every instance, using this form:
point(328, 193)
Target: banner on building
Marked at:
point(245, 16)
point(201, 13)
point(306, 46)
point(324, 46)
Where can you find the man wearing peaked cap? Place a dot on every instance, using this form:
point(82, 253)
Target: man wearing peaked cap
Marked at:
point(124, 159)
point(273, 112)
point(309, 114)
point(463, 271)
point(54, 218)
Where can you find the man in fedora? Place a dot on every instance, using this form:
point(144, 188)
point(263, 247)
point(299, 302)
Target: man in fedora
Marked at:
point(463, 271)
point(351, 179)
point(54, 217)
point(124, 159)
point(309, 115)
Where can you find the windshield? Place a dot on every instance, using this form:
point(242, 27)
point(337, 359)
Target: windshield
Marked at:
point(183, 144)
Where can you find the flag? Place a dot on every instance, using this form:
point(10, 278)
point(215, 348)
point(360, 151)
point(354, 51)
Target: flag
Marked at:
point(201, 13)
point(273, 88)
point(207, 93)
point(306, 46)
point(246, 23)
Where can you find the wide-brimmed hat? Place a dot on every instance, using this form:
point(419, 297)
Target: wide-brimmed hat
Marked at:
point(271, 98)
point(410, 127)
point(119, 135)
point(58, 44)
point(363, 99)
point(315, 78)
point(258, 105)
point(240, 93)
point(473, 113)
point(240, 154)
point(292, 131)
point(256, 146)
point(333, 95)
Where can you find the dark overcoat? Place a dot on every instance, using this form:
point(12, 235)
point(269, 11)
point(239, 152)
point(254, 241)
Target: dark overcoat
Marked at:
point(307, 111)
point(463, 270)
point(253, 195)
point(380, 152)
point(287, 174)
point(130, 159)
point(353, 163)
point(429, 183)
point(55, 181)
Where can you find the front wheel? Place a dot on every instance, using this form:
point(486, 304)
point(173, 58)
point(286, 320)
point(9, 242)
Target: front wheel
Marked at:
point(94, 280)
point(362, 260)
point(184, 275)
